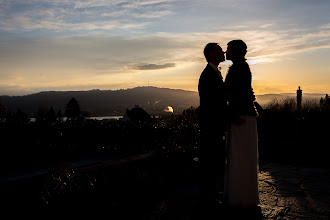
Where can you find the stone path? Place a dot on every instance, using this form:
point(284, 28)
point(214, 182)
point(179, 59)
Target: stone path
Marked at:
point(286, 192)
point(290, 192)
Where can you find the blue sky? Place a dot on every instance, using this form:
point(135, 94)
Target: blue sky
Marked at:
point(97, 44)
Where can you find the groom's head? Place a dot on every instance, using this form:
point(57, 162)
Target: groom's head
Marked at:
point(213, 53)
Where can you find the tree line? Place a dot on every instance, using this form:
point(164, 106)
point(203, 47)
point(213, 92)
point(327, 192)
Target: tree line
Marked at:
point(285, 135)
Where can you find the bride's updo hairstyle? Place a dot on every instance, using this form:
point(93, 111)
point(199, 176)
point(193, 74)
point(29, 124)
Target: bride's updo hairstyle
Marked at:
point(238, 48)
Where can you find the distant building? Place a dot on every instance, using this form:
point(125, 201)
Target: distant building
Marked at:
point(136, 114)
point(299, 98)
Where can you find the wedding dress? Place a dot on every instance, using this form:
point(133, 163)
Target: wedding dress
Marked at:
point(241, 175)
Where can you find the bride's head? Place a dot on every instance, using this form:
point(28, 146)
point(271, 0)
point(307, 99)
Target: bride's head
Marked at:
point(236, 50)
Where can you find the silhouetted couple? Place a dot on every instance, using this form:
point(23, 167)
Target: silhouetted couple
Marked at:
point(229, 146)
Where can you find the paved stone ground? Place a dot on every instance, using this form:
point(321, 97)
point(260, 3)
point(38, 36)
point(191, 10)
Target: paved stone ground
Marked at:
point(291, 192)
point(286, 192)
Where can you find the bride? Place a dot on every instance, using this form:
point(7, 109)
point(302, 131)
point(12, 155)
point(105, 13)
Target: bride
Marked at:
point(241, 175)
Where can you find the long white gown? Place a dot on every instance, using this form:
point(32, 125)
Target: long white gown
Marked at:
point(241, 175)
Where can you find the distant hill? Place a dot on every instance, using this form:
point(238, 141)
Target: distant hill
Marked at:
point(105, 102)
point(115, 102)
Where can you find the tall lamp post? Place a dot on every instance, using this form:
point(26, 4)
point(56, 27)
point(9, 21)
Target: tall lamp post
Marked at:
point(299, 97)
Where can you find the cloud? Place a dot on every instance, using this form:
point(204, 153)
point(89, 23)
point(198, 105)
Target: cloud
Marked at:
point(95, 3)
point(70, 15)
point(155, 66)
point(263, 45)
point(156, 14)
point(30, 24)
point(266, 25)
point(114, 55)
point(71, 61)
point(107, 3)
point(270, 46)
point(68, 58)
point(326, 26)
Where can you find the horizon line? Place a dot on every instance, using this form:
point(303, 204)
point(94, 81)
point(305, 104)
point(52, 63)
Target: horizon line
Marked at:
point(283, 93)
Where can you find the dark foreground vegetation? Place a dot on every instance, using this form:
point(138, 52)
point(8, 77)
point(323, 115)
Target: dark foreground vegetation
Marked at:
point(286, 135)
point(292, 136)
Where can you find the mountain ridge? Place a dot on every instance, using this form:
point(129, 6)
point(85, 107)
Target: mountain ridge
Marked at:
point(113, 102)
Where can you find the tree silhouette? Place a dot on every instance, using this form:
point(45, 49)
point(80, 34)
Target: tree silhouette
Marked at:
point(50, 116)
point(21, 118)
point(41, 116)
point(72, 110)
point(325, 103)
point(2, 113)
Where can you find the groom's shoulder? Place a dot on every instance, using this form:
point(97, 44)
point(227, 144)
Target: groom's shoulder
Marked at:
point(207, 70)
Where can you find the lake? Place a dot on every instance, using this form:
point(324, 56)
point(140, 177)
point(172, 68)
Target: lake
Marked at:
point(92, 118)
point(105, 117)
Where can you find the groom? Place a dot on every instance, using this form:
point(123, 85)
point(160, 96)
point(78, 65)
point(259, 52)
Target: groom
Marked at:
point(212, 117)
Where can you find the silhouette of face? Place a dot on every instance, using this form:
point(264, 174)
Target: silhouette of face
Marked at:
point(218, 55)
point(229, 53)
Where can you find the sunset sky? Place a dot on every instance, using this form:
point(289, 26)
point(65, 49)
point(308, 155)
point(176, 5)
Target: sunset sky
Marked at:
point(67, 45)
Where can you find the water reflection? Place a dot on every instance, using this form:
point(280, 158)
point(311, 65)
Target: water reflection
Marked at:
point(99, 118)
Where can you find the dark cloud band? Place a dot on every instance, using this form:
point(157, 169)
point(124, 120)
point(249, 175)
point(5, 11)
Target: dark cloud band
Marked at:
point(155, 66)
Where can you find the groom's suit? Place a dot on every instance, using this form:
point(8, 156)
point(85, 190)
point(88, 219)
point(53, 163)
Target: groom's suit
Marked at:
point(212, 120)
